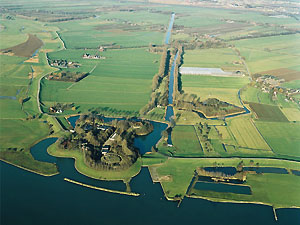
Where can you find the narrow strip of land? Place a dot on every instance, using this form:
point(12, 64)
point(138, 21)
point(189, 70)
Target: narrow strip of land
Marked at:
point(102, 189)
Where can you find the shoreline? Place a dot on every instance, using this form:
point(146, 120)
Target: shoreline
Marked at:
point(212, 199)
point(102, 189)
point(29, 170)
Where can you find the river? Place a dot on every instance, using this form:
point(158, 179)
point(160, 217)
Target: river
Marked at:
point(169, 31)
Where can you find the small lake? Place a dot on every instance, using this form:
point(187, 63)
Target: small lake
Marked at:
point(232, 170)
point(221, 187)
point(296, 172)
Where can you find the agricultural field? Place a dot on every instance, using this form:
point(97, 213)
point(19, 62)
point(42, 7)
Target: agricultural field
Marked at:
point(185, 142)
point(283, 138)
point(267, 112)
point(224, 88)
point(252, 94)
point(224, 58)
point(122, 81)
point(271, 53)
point(292, 114)
point(246, 134)
point(107, 33)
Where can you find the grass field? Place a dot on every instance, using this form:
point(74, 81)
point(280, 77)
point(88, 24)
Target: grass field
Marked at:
point(270, 53)
point(122, 81)
point(185, 141)
point(267, 112)
point(283, 138)
point(252, 94)
point(212, 58)
point(102, 32)
point(292, 114)
point(223, 88)
point(246, 134)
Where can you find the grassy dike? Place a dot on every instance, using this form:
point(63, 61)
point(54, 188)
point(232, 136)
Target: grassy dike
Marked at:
point(82, 168)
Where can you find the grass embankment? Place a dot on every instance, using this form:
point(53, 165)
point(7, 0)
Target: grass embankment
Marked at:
point(102, 189)
point(81, 167)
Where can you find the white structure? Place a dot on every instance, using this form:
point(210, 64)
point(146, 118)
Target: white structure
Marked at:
point(204, 71)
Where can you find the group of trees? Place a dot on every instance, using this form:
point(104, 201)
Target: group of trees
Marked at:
point(67, 76)
point(91, 133)
point(204, 130)
point(159, 95)
point(210, 107)
point(199, 44)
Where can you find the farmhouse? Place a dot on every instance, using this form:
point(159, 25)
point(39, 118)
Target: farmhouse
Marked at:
point(89, 56)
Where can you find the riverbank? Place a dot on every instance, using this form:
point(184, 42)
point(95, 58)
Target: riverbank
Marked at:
point(102, 189)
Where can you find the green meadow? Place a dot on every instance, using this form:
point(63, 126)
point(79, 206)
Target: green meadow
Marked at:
point(283, 138)
point(224, 88)
point(269, 53)
point(122, 81)
point(224, 58)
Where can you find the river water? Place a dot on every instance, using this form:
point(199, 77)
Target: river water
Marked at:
point(169, 31)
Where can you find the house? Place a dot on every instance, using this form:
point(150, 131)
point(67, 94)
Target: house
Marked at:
point(113, 136)
point(105, 149)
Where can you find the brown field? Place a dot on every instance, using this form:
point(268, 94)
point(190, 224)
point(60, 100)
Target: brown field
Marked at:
point(34, 59)
point(284, 73)
point(267, 112)
point(25, 49)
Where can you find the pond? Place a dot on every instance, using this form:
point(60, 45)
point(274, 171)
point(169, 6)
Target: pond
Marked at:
point(222, 187)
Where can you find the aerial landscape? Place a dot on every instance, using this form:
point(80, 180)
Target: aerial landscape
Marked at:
point(150, 112)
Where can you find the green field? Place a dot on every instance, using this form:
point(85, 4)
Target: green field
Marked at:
point(122, 81)
point(246, 134)
point(269, 53)
point(212, 58)
point(283, 138)
point(185, 141)
point(292, 114)
point(252, 94)
point(223, 88)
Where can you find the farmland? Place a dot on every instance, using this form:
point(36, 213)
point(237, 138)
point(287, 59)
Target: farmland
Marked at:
point(113, 83)
point(224, 58)
point(267, 112)
point(25, 49)
point(283, 138)
point(223, 88)
point(118, 46)
point(246, 134)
